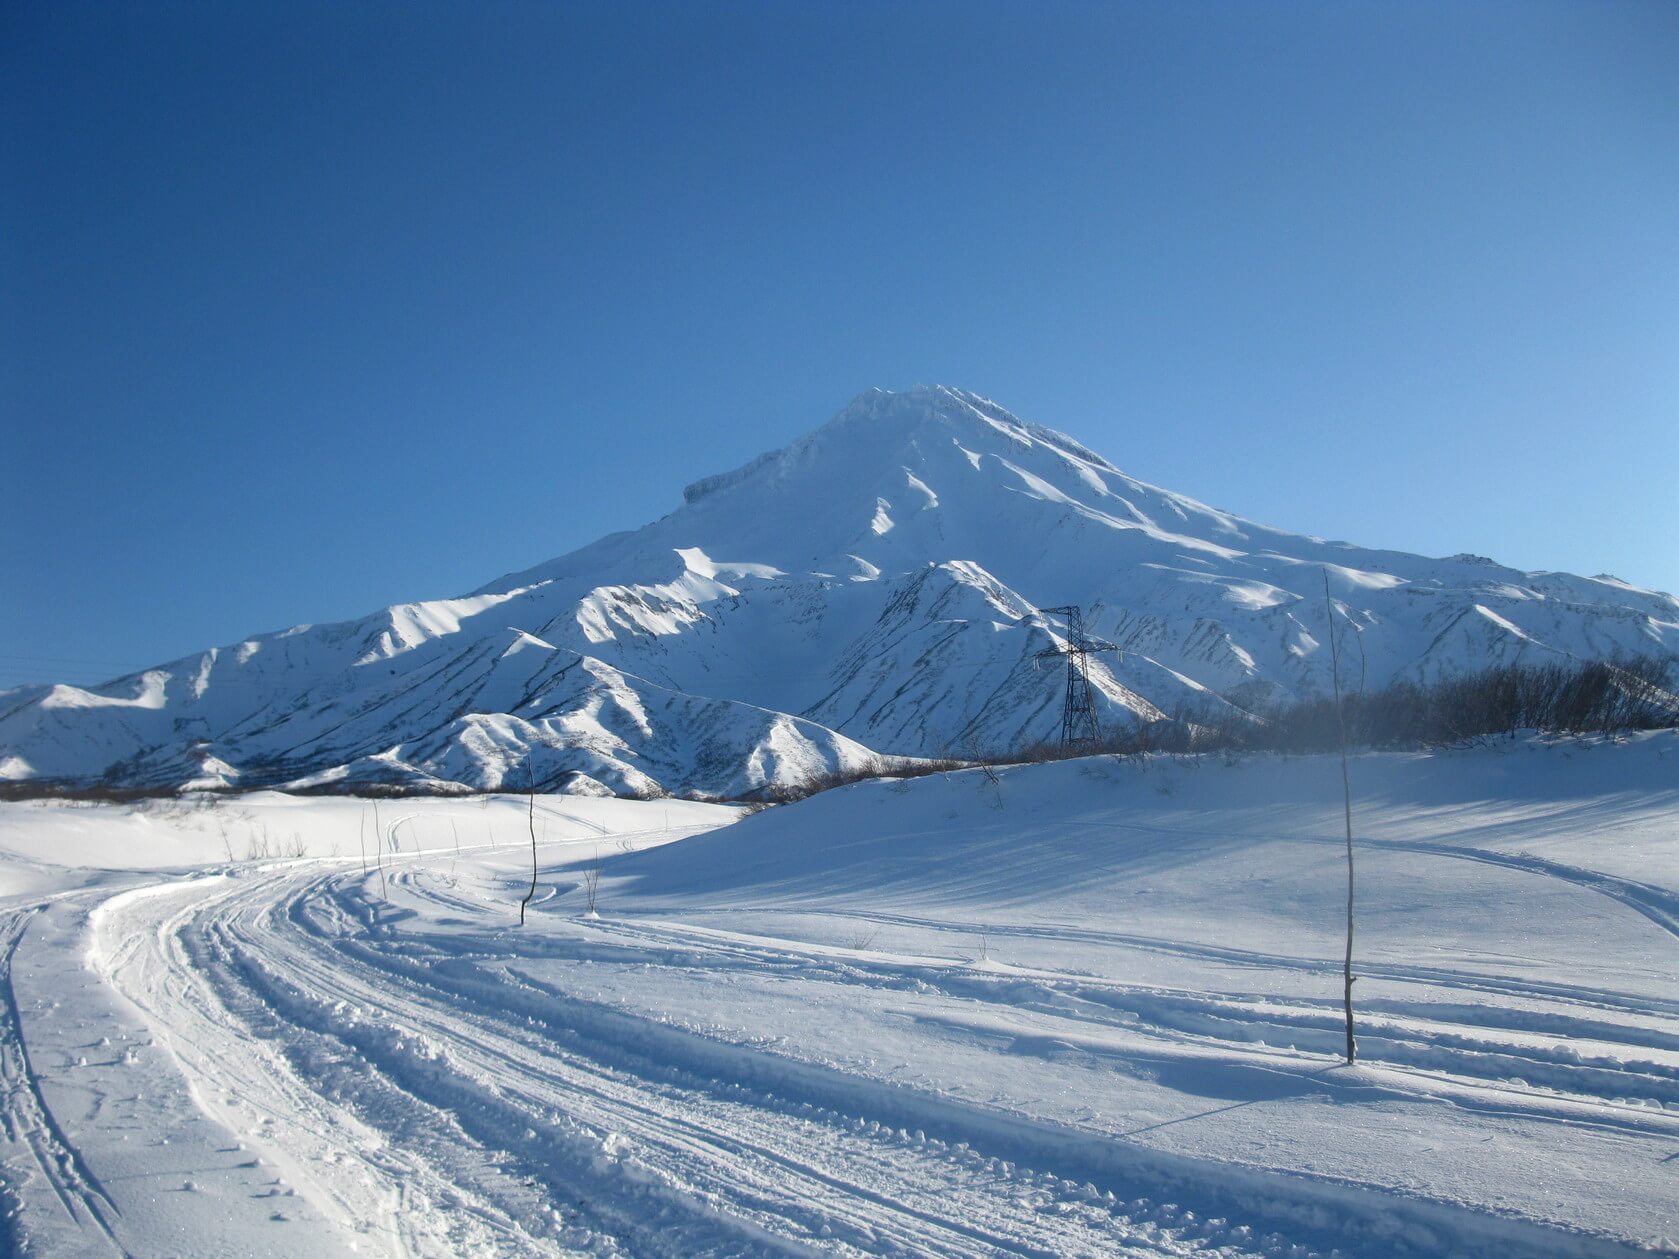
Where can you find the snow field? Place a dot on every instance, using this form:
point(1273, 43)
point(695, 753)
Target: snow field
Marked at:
point(1090, 1010)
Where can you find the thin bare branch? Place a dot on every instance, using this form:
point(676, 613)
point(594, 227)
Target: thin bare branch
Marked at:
point(1347, 796)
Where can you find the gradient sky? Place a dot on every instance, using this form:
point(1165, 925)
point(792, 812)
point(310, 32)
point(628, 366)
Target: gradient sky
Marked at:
point(308, 308)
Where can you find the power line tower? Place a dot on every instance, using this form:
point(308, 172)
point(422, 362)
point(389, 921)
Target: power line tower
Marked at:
point(1079, 727)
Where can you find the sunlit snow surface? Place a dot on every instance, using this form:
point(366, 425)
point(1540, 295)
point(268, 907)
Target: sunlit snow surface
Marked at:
point(1092, 1008)
point(869, 588)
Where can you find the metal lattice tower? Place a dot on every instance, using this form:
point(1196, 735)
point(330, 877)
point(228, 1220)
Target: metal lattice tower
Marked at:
point(1079, 727)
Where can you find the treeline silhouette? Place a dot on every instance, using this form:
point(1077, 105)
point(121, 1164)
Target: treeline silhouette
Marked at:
point(1605, 697)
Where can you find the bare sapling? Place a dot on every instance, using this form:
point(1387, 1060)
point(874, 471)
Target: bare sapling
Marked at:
point(1347, 800)
point(258, 845)
point(361, 837)
point(591, 884)
point(379, 852)
point(530, 820)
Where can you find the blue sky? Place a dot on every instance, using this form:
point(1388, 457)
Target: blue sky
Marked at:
point(306, 309)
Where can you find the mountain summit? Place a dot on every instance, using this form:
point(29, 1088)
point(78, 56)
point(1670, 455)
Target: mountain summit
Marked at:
point(869, 588)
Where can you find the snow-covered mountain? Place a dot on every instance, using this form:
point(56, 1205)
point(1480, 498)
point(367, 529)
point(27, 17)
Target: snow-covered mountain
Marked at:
point(868, 589)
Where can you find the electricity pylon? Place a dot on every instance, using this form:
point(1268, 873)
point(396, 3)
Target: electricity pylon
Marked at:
point(1079, 727)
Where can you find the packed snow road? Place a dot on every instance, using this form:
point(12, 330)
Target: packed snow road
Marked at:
point(513, 1116)
point(1092, 1011)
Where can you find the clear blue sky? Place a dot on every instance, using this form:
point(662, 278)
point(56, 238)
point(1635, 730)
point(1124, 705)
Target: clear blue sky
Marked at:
point(306, 309)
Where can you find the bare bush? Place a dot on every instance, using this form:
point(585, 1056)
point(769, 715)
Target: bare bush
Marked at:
point(872, 768)
point(862, 939)
point(591, 884)
point(259, 844)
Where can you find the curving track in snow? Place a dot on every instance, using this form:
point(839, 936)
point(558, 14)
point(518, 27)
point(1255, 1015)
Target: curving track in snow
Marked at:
point(29, 1121)
point(423, 1079)
point(481, 1112)
point(1074, 1015)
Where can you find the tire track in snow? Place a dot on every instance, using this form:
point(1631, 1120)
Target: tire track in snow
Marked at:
point(242, 1081)
point(761, 1165)
point(1657, 904)
point(1408, 1036)
point(1411, 1036)
point(714, 1178)
point(1447, 977)
point(437, 1052)
point(620, 1038)
point(29, 1121)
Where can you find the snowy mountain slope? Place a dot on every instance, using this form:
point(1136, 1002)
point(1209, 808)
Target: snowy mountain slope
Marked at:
point(868, 587)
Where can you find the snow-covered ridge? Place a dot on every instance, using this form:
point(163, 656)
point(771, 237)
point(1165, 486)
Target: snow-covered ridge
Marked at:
point(868, 588)
point(708, 485)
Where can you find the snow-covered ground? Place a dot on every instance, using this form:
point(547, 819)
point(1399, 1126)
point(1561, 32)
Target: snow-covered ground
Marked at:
point(1091, 1008)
